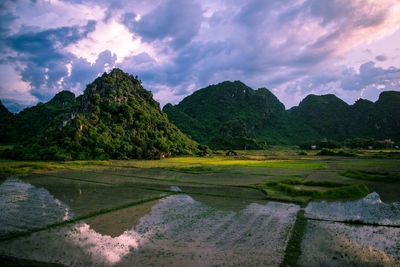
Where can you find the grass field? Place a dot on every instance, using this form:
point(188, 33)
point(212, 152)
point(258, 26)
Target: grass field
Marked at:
point(279, 174)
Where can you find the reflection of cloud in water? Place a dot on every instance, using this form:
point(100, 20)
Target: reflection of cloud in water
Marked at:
point(180, 225)
point(181, 230)
point(103, 248)
point(24, 206)
point(178, 229)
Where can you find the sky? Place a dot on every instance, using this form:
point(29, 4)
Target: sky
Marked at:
point(293, 47)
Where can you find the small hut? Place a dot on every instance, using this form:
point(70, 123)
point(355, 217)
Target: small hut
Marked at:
point(231, 153)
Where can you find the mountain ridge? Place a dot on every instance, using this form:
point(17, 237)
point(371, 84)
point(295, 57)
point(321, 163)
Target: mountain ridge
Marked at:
point(264, 116)
point(224, 116)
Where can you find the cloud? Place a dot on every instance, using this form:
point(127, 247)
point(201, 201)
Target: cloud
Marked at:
point(42, 57)
point(369, 75)
point(275, 43)
point(293, 47)
point(381, 58)
point(83, 72)
point(349, 84)
point(174, 21)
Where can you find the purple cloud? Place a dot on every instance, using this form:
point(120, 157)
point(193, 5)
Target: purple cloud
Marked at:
point(293, 47)
point(369, 75)
point(176, 19)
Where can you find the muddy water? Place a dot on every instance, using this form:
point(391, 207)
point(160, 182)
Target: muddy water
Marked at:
point(177, 230)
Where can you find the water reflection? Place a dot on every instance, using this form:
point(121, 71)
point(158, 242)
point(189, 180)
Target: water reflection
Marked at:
point(370, 209)
point(183, 230)
point(116, 223)
point(180, 229)
point(175, 230)
point(24, 206)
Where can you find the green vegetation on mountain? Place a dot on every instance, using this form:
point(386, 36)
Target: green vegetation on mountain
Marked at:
point(7, 126)
point(332, 118)
point(326, 114)
point(34, 120)
point(117, 118)
point(234, 134)
point(232, 115)
point(114, 118)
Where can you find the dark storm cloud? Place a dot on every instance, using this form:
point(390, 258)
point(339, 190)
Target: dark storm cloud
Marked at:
point(36, 43)
point(176, 19)
point(7, 18)
point(43, 56)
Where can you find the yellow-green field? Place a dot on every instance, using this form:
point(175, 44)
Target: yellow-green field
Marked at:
point(243, 176)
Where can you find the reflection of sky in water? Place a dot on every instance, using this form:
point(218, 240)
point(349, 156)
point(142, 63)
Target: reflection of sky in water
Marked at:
point(24, 206)
point(178, 226)
point(370, 209)
point(180, 222)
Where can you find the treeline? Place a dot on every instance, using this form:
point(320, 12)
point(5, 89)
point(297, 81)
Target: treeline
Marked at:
point(356, 143)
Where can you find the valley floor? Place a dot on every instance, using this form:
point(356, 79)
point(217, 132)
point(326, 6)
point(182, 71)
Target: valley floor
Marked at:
point(260, 208)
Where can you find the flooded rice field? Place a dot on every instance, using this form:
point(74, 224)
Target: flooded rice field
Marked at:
point(24, 207)
point(337, 244)
point(371, 236)
point(188, 229)
point(368, 210)
point(174, 230)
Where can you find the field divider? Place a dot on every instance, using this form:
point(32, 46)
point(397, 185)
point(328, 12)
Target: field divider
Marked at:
point(87, 216)
point(293, 247)
point(354, 222)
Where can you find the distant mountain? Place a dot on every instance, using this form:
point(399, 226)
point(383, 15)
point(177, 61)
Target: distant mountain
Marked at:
point(256, 116)
point(114, 118)
point(328, 115)
point(387, 115)
point(332, 118)
point(253, 116)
